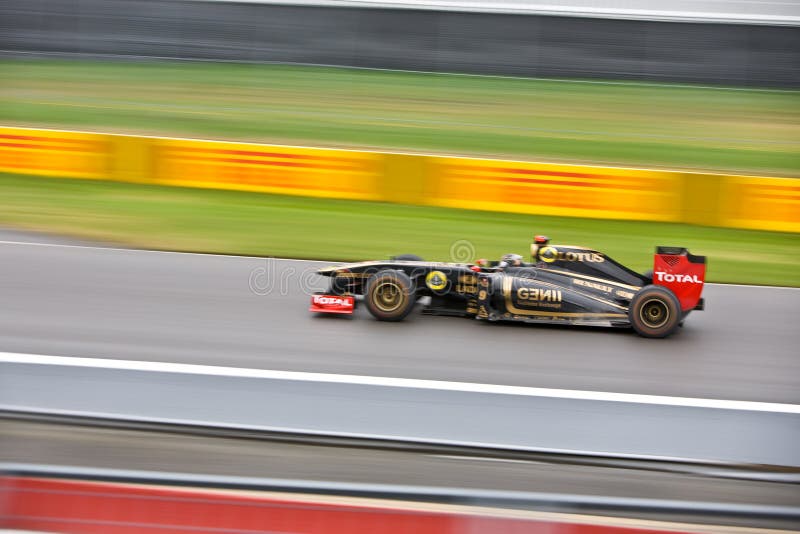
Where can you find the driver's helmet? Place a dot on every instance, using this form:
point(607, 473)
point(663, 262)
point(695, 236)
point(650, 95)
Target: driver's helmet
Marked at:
point(510, 260)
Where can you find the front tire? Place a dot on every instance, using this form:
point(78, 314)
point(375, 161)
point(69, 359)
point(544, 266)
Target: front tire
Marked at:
point(389, 295)
point(655, 312)
point(340, 286)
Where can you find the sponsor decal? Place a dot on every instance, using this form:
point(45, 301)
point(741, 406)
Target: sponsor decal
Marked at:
point(461, 288)
point(436, 280)
point(468, 279)
point(592, 257)
point(550, 254)
point(482, 313)
point(511, 305)
point(593, 285)
point(680, 278)
point(326, 300)
point(541, 298)
point(344, 304)
point(535, 294)
point(624, 294)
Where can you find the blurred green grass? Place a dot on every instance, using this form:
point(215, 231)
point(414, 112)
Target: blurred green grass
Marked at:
point(683, 127)
point(230, 222)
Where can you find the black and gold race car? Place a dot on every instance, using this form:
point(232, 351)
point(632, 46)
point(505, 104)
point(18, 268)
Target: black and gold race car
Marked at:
point(561, 284)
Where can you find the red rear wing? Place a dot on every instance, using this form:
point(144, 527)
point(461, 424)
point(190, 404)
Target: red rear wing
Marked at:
point(682, 273)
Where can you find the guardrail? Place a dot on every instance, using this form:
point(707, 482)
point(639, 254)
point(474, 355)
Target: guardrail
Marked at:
point(404, 410)
point(732, 201)
point(718, 470)
point(741, 43)
point(80, 499)
point(741, 12)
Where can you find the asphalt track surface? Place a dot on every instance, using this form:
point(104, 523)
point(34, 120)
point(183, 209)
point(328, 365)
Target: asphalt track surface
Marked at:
point(65, 298)
point(84, 301)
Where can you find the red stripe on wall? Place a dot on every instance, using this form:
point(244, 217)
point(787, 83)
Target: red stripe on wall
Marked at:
point(509, 179)
point(560, 174)
point(45, 138)
point(535, 172)
point(83, 507)
point(260, 154)
point(332, 165)
point(595, 180)
point(48, 148)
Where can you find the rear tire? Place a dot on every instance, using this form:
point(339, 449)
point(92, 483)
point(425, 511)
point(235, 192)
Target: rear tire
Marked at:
point(389, 295)
point(655, 312)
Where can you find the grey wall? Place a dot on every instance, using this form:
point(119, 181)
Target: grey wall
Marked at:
point(527, 45)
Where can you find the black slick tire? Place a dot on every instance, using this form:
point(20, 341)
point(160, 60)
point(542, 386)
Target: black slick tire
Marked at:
point(389, 295)
point(655, 312)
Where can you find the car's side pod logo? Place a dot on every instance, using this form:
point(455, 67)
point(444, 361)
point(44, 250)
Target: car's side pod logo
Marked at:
point(436, 280)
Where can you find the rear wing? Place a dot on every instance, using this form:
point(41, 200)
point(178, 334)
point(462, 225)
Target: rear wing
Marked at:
point(681, 272)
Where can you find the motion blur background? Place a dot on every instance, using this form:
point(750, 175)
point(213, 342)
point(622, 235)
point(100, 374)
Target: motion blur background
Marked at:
point(355, 129)
point(732, 43)
point(707, 87)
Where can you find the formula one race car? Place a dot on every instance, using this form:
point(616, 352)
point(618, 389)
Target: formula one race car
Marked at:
point(561, 284)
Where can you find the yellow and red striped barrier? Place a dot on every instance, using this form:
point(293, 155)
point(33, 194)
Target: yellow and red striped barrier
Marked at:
point(549, 189)
point(54, 153)
point(269, 169)
point(482, 184)
point(761, 203)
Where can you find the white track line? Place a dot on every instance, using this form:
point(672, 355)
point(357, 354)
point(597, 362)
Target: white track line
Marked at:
point(118, 249)
point(464, 387)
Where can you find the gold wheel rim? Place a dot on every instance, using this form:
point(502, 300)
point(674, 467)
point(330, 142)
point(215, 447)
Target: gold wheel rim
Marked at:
point(388, 296)
point(654, 313)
